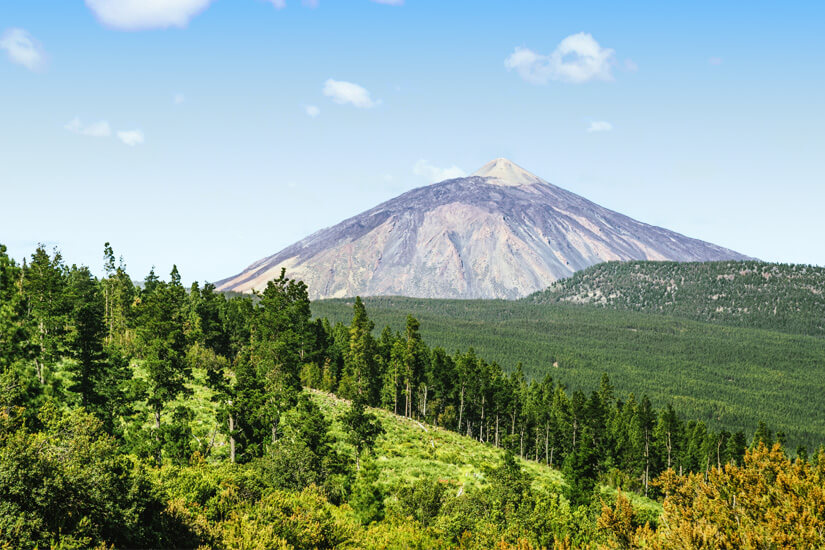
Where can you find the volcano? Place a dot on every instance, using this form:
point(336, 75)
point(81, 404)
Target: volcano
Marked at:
point(501, 232)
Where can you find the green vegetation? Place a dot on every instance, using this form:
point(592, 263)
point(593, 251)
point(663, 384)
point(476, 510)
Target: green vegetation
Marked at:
point(732, 378)
point(782, 297)
point(155, 416)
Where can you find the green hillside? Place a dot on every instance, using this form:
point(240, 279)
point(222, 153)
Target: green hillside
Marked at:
point(788, 298)
point(731, 377)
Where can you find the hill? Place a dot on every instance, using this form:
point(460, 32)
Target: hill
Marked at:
point(789, 298)
point(731, 377)
point(499, 233)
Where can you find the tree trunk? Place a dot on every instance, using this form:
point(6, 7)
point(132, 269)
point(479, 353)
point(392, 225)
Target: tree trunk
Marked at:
point(575, 429)
point(159, 455)
point(395, 394)
point(647, 461)
point(461, 408)
point(231, 439)
point(496, 429)
point(38, 367)
point(521, 442)
point(669, 447)
point(546, 442)
point(408, 400)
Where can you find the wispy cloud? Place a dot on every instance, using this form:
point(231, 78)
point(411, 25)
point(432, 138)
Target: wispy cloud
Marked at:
point(98, 129)
point(179, 98)
point(599, 126)
point(347, 92)
point(133, 15)
point(715, 60)
point(101, 129)
point(23, 49)
point(312, 110)
point(131, 137)
point(434, 173)
point(281, 4)
point(390, 2)
point(577, 59)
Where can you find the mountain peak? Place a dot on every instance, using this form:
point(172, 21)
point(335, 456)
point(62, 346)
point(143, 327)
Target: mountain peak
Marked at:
point(502, 171)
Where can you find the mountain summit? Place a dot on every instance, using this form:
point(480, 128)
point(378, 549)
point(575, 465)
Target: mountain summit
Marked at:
point(504, 172)
point(500, 233)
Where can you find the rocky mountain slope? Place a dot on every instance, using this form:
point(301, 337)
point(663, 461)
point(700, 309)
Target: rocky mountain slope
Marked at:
point(500, 233)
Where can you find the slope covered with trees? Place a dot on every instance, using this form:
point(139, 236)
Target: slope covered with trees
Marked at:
point(784, 297)
point(731, 377)
point(161, 416)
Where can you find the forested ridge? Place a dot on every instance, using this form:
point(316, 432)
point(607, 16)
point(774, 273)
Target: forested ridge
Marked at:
point(784, 297)
point(160, 416)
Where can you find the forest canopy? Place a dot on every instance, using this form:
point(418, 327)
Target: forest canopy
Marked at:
point(156, 415)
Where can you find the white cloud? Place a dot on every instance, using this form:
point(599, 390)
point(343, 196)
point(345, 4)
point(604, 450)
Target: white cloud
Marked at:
point(715, 60)
point(310, 3)
point(279, 4)
point(130, 137)
point(312, 110)
point(599, 126)
point(23, 49)
point(132, 15)
point(179, 98)
point(98, 129)
point(390, 2)
point(435, 174)
point(577, 59)
point(347, 92)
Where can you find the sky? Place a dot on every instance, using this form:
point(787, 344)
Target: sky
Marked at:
point(209, 134)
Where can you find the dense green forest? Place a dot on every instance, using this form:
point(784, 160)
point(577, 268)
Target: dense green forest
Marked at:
point(730, 377)
point(784, 297)
point(160, 416)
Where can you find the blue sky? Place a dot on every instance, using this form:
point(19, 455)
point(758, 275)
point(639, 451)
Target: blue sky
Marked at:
point(211, 134)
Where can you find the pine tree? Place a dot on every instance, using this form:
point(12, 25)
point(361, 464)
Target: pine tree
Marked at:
point(362, 428)
point(281, 337)
point(361, 362)
point(44, 286)
point(163, 345)
point(87, 337)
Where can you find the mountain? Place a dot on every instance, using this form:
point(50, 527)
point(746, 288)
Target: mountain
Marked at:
point(500, 233)
point(784, 297)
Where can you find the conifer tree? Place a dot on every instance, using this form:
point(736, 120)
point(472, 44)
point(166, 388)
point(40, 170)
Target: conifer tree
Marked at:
point(44, 286)
point(163, 344)
point(87, 337)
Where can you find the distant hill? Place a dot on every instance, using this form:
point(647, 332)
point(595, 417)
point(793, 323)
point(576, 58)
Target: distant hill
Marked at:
point(788, 298)
point(500, 233)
